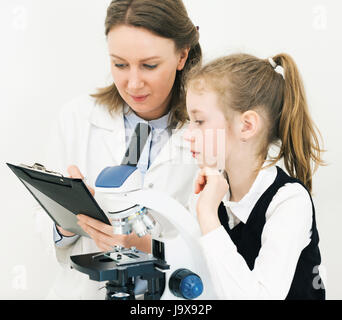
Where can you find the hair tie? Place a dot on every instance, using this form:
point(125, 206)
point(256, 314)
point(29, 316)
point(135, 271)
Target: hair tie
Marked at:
point(197, 28)
point(277, 68)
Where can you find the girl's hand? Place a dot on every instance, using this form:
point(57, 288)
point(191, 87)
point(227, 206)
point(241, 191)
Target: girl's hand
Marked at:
point(212, 186)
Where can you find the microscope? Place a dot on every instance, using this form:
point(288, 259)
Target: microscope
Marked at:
point(175, 269)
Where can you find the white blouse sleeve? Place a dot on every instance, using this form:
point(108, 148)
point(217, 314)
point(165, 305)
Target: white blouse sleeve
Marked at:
point(286, 233)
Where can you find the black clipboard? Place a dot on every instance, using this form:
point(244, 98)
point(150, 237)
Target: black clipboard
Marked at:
point(62, 198)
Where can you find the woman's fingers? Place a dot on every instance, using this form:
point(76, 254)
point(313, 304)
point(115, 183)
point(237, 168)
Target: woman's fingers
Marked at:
point(74, 172)
point(104, 241)
point(95, 224)
point(64, 232)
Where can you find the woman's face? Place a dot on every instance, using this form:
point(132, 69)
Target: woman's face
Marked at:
point(209, 133)
point(143, 66)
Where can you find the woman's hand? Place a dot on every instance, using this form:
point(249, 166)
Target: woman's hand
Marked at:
point(104, 238)
point(74, 172)
point(212, 186)
point(101, 233)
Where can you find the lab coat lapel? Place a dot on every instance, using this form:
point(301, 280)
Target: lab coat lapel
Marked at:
point(113, 133)
point(116, 144)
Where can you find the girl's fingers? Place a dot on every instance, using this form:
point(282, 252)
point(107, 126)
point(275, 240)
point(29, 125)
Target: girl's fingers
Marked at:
point(209, 176)
point(199, 187)
point(203, 177)
point(200, 183)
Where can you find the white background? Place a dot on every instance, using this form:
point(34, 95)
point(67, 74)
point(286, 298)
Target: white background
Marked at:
point(53, 51)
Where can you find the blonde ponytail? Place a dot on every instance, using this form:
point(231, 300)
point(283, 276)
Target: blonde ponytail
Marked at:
point(298, 134)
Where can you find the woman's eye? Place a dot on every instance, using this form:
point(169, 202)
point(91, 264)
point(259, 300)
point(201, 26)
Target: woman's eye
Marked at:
point(199, 122)
point(119, 65)
point(150, 66)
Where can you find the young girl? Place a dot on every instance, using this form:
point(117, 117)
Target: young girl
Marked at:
point(258, 223)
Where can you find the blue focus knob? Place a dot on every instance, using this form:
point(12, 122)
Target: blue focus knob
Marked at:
point(185, 284)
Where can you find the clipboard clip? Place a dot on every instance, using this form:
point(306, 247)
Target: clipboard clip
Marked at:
point(39, 167)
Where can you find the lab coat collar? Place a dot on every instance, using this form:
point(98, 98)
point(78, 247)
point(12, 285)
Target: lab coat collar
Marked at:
point(102, 118)
point(161, 124)
point(115, 137)
point(243, 208)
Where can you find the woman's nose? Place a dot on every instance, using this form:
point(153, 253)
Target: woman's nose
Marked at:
point(135, 81)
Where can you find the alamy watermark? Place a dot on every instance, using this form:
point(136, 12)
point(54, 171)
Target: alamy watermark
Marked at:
point(320, 280)
point(320, 17)
point(19, 18)
point(207, 146)
point(19, 277)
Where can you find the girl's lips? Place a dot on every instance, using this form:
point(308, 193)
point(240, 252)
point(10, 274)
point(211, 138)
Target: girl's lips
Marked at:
point(194, 154)
point(139, 98)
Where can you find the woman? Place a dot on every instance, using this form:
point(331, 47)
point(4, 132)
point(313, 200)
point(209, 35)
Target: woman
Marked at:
point(152, 45)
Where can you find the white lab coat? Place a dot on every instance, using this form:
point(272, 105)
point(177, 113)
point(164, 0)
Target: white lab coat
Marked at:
point(89, 137)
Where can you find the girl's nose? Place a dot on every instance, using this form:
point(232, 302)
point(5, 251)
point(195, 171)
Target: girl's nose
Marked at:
point(188, 135)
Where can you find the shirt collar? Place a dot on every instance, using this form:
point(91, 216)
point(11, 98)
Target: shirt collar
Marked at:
point(243, 208)
point(133, 119)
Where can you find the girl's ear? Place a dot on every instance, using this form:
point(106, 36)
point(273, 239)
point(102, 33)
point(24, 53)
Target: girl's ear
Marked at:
point(250, 123)
point(184, 53)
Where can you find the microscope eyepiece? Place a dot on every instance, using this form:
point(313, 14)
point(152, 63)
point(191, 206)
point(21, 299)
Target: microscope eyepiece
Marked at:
point(136, 219)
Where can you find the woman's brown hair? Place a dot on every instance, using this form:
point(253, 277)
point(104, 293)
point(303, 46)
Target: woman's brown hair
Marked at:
point(244, 82)
point(168, 19)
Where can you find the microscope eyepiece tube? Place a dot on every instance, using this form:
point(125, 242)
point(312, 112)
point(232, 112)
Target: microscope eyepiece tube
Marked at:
point(139, 227)
point(148, 221)
point(121, 226)
point(135, 219)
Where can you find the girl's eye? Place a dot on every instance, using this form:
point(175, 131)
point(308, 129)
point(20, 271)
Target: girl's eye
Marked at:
point(150, 66)
point(199, 122)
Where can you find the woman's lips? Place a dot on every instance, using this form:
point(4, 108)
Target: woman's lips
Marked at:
point(139, 98)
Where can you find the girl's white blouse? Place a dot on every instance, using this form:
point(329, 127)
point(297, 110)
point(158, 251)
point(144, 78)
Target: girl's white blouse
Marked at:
point(286, 233)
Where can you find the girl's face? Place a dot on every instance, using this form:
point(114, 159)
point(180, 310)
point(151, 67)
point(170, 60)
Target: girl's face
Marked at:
point(143, 66)
point(212, 138)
